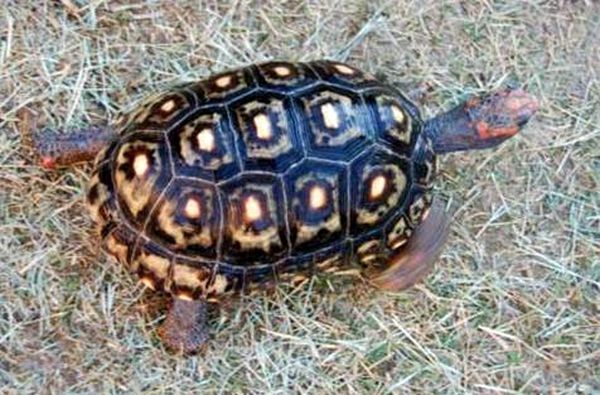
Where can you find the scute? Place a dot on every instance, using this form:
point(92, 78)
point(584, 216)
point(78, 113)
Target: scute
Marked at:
point(158, 112)
point(254, 226)
point(342, 74)
point(190, 279)
point(369, 249)
point(204, 147)
point(271, 172)
point(335, 123)
point(219, 88)
point(370, 209)
point(311, 227)
point(153, 266)
point(141, 172)
point(187, 219)
point(266, 133)
point(284, 75)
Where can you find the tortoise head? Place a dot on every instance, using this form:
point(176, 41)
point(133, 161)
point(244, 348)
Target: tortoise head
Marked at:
point(482, 121)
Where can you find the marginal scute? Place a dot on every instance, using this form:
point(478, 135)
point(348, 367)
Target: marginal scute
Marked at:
point(344, 69)
point(398, 233)
point(224, 81)
point(259, 278)
point(342, 74)
point(424, 162)
point(396, 124)
point(152, 268)
point(97, 197)
point(117, 248)
point(189, 282)
point(284, 75)
point(330, 263)
point(369, 252)
point(218, 286)
point(290, 268)
point(225, 84)
point(419, 203)
point(102, 155)
point(159, 111)
point(148, 282)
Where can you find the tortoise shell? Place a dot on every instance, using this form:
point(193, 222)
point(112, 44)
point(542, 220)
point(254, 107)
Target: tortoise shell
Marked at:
point(269, 172)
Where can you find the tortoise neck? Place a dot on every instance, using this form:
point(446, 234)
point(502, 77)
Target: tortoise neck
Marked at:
point(453, 131)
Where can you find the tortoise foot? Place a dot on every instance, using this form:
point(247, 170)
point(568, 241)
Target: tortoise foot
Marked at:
point(416, 259)
point(184, 329)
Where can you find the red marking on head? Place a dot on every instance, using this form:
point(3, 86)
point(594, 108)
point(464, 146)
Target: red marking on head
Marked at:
point(48, 163)
point(486, 132)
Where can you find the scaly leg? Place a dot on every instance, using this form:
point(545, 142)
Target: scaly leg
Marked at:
point(185, 328)
point(58, 150)
point(420, 253)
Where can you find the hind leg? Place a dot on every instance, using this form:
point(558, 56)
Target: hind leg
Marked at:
point(416, 259)
point(57, 150)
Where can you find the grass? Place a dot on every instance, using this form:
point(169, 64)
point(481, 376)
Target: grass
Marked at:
point(512, 306)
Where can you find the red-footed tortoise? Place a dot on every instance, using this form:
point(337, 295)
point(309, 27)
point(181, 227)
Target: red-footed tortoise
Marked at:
point(274, 172)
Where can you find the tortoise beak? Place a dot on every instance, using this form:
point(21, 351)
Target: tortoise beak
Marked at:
point(520, 106)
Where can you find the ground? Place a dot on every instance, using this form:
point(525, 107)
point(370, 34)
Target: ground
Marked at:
point(512, 305)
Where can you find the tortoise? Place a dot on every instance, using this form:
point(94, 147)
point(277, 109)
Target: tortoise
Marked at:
point(271, 173)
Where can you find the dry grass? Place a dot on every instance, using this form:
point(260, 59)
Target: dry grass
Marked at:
point(513, 306)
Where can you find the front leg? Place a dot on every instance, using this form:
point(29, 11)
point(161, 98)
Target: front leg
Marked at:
point(57, 150)
point(185, 328)
point(417, 257)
